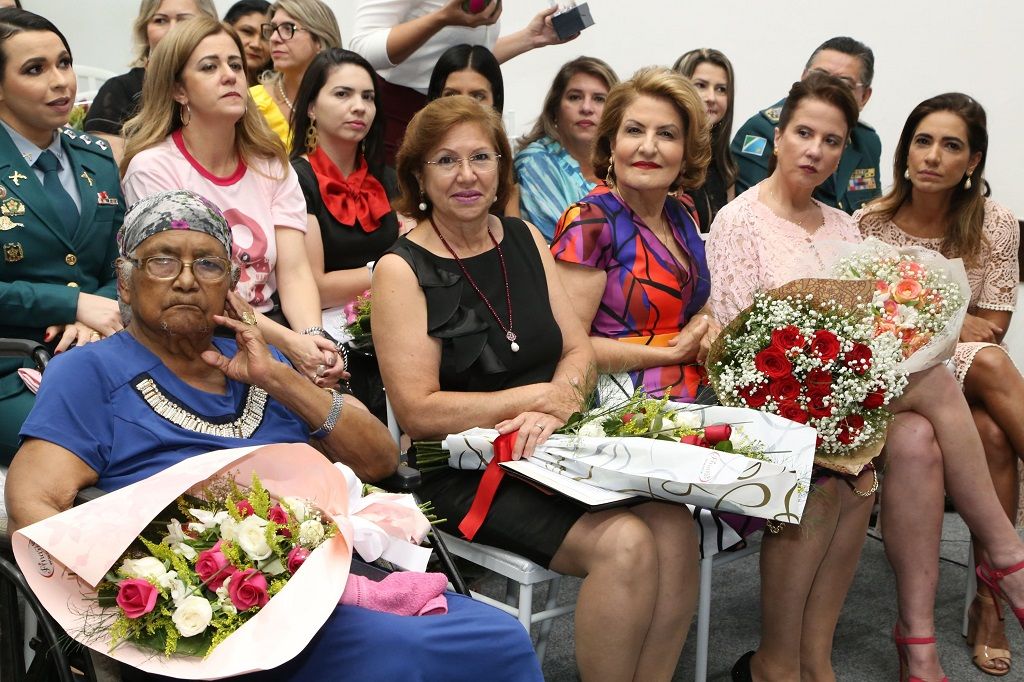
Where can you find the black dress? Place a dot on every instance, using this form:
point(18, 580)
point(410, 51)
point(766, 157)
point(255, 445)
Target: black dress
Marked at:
point(117, 100)
point(710, 197)
point(476, 356)
point(347, 247)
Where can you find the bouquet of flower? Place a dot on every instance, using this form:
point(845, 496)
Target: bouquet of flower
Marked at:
point(218, 561)
point(920, 297)
point(77, 117)
point(357, 328)
point(808, 352)
point(220, 567)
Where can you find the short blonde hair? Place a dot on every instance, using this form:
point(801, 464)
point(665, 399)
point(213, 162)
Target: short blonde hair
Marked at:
point(147, 10)
point(428, 127)
point(666, 85)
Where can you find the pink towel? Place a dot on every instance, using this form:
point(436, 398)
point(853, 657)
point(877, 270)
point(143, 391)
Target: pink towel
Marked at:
point(31, 377)
point(404, 593)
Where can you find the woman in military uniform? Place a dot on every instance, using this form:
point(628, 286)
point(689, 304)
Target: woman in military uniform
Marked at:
point(60, 205)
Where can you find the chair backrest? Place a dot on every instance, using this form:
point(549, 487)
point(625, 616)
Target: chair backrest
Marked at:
point(90, 78)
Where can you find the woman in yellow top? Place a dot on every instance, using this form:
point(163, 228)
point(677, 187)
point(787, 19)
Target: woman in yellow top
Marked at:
point(297, 31)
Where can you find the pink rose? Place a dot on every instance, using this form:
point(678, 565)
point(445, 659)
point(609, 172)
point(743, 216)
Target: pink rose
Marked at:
point(907, 290)
point(213, 568)
point(248, 589)
point(244, 508)
point(297, 557)
point(911, 270)
point(278, 515)
point(136, 597)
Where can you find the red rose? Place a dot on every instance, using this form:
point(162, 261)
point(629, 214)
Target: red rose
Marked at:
point(874, 400)
point(773, 362)
point(628, 417)
point(818, 382)
point(858, 358)
point(213, 568)
point(787, 338)
point(818, 407)
point(136, 597)
point(248, 589)
point(754, 395)
point(694, 439)
point(297, 557)
point(855, 422)
point(244, 508)
point(716, 433)
point(845, 436)
point(784, 389)
point(793, 412)
point(825, 345)
point(278, 515)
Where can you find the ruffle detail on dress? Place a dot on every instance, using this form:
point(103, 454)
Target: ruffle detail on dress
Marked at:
point(450, 321)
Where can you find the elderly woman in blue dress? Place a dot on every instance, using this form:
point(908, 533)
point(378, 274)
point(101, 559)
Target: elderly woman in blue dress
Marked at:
point(138, 402)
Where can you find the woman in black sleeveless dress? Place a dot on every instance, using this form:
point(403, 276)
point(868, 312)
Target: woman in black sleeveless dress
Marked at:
point(472, 328)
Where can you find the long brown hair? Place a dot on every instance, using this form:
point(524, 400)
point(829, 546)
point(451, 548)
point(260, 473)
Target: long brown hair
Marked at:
point(964, 236)
point(161, 114)
point(721, 132)
point(148, 10)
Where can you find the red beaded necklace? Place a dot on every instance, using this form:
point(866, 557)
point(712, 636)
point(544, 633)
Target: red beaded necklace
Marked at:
point(509, 334)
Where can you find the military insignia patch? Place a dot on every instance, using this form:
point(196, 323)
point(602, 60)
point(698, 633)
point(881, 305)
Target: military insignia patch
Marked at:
point(12, 206)
point(7, 224)
point(13, 252)
point(773, 114)
point(104, 199)
point(754, 145)
point(861, 179)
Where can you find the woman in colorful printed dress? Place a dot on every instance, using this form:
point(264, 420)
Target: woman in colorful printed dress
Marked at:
point(938, 202)
point(553, 166)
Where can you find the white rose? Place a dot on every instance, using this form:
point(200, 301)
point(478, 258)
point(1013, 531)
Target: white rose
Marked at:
point(297, 506)
point(311, 533)
point(683, 419)
point(206, 519)
point(192, 615)
point(592, 430)
point(147, 568)
point(229, 529)
point(177, 589)
point(251, 536)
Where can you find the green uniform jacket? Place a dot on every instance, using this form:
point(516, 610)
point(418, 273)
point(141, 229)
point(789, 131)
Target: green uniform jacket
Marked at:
point(44, 268)
point(856, 181)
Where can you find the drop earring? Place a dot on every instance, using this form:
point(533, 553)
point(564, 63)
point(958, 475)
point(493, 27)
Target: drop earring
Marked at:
point(906, 173)
point(967, 182)
point(422, 206)
point(185, 110)
point(312, 140)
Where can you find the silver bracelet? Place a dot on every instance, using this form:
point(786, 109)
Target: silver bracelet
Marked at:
point(337, 402)
point(313, 331)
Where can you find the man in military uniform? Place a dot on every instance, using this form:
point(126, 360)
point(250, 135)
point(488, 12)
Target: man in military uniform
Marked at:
point(857, 180)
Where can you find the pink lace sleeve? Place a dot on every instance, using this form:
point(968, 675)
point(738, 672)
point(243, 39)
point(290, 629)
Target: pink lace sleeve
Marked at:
point(1002, 270)
point(733, 251)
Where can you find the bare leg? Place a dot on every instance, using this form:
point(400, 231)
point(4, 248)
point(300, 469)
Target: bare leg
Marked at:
point(678, 571)
point(831, 584)
point(616, 554)
point(994, 382)
point(934, 394)
point(790, 561)
point(912, 507)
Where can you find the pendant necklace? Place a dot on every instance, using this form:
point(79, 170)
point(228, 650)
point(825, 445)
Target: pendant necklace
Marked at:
point(509, 334)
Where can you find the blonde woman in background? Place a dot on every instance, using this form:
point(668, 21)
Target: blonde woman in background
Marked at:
point(297, 30)
point(118, 98)
point(198, 130)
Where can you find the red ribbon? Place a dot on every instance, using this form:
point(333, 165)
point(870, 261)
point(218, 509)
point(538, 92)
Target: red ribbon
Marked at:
point(488, 486)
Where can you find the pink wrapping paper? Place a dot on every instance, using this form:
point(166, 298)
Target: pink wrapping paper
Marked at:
point(65, 556)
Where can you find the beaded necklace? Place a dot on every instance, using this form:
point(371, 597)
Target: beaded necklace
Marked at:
point(284, 95)
point(509, 334)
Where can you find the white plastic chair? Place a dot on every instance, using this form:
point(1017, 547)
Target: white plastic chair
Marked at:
point(90, 78)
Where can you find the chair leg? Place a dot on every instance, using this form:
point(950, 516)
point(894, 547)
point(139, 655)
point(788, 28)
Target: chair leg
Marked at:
point(447, 563)
point(526, 606)
point(545, 626)
point(700, 668)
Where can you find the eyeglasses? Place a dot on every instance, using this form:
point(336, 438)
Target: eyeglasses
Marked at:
point(286, 30)
point(846, 80)
point(484, 162)
point(206, 269)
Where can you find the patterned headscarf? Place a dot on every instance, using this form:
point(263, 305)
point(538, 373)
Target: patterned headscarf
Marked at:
point(177, 209)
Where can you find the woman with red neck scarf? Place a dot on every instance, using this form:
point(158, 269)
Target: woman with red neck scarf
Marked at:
point(337, 153)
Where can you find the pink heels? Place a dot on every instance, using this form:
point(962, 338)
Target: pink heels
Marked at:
point(901, 649)
point(991, 577)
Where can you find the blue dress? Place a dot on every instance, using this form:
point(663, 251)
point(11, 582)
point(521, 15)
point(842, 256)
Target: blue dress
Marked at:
point(93, 402)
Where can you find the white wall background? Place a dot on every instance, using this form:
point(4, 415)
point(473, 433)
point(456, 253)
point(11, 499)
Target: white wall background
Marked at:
point(922, 48)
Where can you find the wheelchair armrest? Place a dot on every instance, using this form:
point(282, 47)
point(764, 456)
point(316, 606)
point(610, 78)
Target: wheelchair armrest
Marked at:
point(25, 348)
point(405, 479)
point(88, 495)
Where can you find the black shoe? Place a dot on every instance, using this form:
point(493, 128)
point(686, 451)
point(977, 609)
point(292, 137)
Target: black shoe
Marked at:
point(741, 670)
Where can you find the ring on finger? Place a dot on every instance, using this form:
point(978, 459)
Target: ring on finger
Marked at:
point(320, 371)
point(538, 426)
point(248, 317)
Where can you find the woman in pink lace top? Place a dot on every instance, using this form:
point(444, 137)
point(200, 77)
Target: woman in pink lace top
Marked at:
point(774, 233)
point(938, 203)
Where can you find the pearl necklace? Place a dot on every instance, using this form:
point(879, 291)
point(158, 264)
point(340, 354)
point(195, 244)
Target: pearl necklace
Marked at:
point(509, 334)
point(284, 95)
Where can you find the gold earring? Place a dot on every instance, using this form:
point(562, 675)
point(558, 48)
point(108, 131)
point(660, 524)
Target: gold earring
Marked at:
point(610, 176)
point(185, 110)
point(311, 137)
